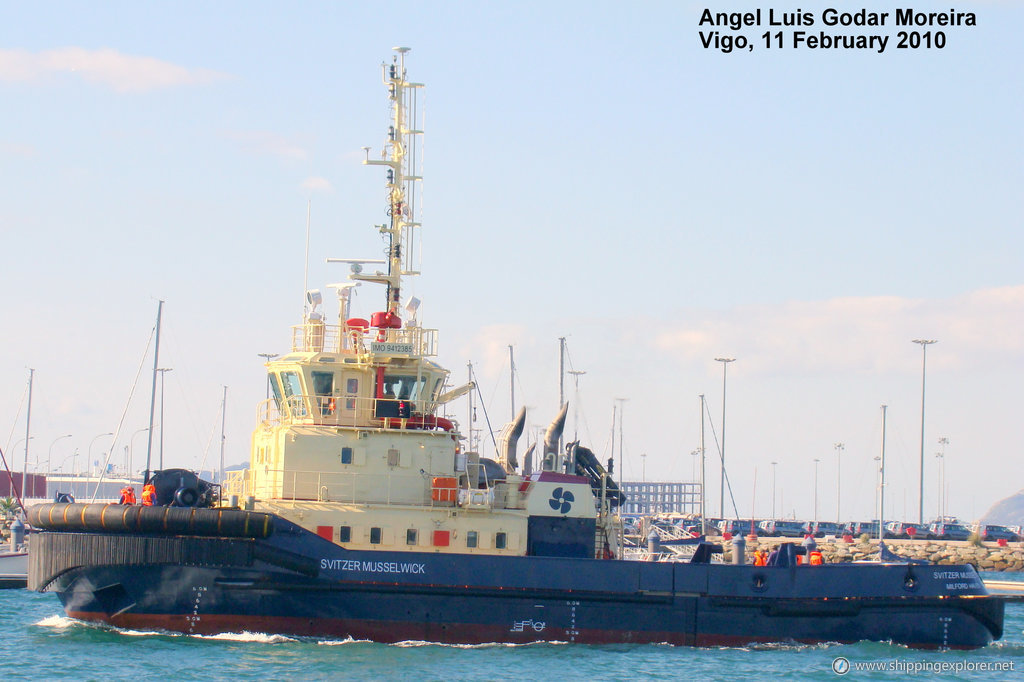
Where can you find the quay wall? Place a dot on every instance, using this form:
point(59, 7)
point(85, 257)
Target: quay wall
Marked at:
point(986, 557)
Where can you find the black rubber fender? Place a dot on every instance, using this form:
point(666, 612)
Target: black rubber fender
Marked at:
point(116, 518)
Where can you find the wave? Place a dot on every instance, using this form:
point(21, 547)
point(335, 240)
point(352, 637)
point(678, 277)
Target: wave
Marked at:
point(57, 622)
point(245, 636)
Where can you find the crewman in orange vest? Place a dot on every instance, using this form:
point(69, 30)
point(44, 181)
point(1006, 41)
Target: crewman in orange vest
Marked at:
point(148, 495)
point(816, 559)
point(760, 557)
point(127, 495)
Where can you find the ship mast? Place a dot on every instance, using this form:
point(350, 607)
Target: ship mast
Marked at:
point(400, 156)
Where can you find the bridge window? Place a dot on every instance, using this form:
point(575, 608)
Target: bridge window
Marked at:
point(345, 534)
point(375, 534)
point(293, 392)
point(410, 536)
point(323, 387)
point(500, 541)
point(275, 389)
point(471, 538)
point(346, 455)
point(403, 387)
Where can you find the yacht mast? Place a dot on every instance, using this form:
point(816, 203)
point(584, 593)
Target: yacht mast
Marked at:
point(152, 396)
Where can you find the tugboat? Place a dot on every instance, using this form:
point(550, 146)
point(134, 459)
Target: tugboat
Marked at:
point(361, 515)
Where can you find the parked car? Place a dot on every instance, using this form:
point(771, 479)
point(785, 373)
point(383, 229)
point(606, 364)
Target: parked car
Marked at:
point(910, 531)
point(783, 529)
point(820, 529)
point(858, 528)
point(737, 526)
point(949, 531)
point(991, 532)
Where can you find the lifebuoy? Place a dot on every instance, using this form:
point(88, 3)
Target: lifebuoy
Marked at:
point(186, 497)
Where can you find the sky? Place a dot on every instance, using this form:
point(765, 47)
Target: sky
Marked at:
point(591, 172)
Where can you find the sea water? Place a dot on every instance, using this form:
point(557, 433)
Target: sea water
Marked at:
point(38, 642)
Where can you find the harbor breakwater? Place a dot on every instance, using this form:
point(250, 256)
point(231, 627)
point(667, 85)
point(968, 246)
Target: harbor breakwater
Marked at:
point(987, 557)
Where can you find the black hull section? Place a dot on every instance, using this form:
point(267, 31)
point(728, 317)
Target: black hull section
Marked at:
point(299, 584)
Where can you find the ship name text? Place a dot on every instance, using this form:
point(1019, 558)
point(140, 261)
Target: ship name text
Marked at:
point(372, 566)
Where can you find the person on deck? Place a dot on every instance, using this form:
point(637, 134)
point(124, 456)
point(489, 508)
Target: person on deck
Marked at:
point(148, 495)
point(127, 495)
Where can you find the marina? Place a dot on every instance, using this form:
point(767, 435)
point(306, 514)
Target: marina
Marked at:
point(361, 516)
point(437, 384)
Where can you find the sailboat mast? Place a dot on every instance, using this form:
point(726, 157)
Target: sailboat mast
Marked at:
point(512, 380)
point(881, 483)
point(28, 424)
point(223, 413)
point(703, 496)
point(152, 395)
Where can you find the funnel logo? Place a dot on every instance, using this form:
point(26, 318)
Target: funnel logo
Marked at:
point(561, 500)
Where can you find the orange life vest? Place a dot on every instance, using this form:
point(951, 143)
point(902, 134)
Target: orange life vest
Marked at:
point(127, 496)
point(149, 495)
point(816, 559)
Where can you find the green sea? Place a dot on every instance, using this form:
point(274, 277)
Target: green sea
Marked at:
point(38, 642)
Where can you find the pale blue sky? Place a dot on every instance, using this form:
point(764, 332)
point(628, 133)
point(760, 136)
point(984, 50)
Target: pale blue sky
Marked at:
point(591, 172)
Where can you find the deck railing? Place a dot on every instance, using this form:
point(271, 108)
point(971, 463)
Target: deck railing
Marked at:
point(317, 337)
point(354, 488)
point(319, 410)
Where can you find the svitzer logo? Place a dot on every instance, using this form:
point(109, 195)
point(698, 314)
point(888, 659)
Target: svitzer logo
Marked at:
point(561, 500)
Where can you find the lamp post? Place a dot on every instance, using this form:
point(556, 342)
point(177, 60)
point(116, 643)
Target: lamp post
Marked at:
point(725, 366)
point(773, 489)
point(816, 460)
point(942, 481)
point(49, 457)
point(924, 343)
point(839, 483)
point(87, 465)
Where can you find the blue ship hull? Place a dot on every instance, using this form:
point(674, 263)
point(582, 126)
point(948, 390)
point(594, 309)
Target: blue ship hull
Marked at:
point(296, 583)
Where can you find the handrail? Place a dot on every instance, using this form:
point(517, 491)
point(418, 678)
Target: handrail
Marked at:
point(323, 410)
point(338, 486)
point(317, 337)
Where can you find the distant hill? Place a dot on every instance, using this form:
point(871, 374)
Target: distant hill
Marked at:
point(1006, 512)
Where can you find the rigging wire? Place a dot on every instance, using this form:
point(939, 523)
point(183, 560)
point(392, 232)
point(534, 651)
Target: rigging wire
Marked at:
point(725, 473)
point(120, 423)
point(14, 424)
point(483, 405)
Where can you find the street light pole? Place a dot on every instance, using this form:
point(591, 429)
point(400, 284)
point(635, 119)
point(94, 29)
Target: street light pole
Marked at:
point(816, 460)
point(924, 343)
point(89, 459)
point(721, 500)
point(839, 483)
point(49, 457)
point(942, 485)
